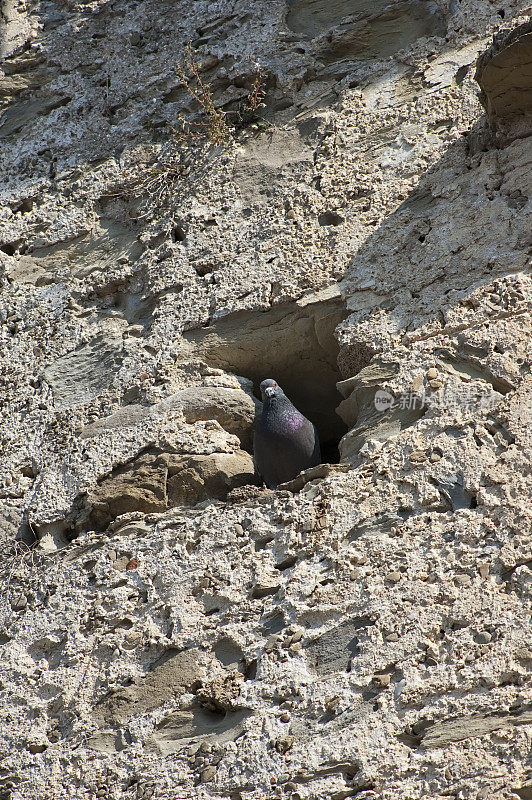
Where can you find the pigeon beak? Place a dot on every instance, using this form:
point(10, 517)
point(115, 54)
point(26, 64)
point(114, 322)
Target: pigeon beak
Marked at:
point(269, 391)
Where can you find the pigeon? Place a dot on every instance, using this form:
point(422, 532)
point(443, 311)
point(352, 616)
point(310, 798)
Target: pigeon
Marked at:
point(285, 442)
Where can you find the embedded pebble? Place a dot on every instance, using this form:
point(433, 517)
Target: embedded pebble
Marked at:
point(208, 774)
point(283, 744)
point(19, 602)
point(271, 642)
point(393, 577)
point(382, 680)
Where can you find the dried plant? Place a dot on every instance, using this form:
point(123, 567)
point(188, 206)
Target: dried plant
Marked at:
point(188, 149)
point(212, 125)
point(156, 181)
point(249, 110)
point(21, 566)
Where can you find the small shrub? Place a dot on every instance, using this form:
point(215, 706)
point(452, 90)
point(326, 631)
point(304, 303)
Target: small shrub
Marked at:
point(212, 126)
point(189, 145)
point(248, 111)
point(216, 125)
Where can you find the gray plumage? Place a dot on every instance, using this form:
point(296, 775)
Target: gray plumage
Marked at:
point(285, 441)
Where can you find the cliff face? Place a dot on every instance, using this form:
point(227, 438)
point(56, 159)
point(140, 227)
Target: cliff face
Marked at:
point(363, 235)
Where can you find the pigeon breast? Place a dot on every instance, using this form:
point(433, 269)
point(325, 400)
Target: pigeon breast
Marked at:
point(285, 442)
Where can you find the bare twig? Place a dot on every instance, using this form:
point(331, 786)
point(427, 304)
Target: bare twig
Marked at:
point(20, 563)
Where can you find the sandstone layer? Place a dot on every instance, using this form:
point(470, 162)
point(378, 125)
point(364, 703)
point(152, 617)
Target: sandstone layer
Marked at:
point(170, 629)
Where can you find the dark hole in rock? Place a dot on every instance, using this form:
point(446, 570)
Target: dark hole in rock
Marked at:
point(184, 727)
point(293, 343)
point(259, 592)
point(22, 206)
point(263, 542)
point(204, 268)
point(29, 470)
point(178, 234)
point(330, 218)
point(10, 249)
point(250, 672)
point(288, 562)
point(461, 72)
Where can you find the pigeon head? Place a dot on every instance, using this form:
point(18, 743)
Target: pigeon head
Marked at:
point(270, 389)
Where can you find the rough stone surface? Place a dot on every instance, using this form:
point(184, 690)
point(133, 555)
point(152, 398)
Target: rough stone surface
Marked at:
point(504, 74)
point(176, 631)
